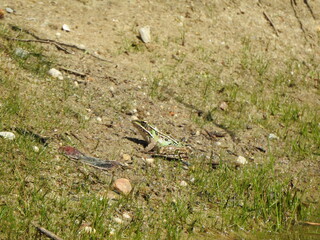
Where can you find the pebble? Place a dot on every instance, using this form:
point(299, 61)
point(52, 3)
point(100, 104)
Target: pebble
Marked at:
point(112, 231)
point(66, 28)
point(118, 220)
point(273, 136)
point(55, 73)
point(241, 160)
point(126, 215)
point(223, 106)
point(150, 161)
point(145, 34)
point(183, 184)
point(7, 135)
point(122, 185)
point(99, 119)
point(9, 10)
point(126, 157)
point(35, 148)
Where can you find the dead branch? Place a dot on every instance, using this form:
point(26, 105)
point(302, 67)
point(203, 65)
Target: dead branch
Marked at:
point(46, 232)
point(73, 72)
point(271, 23)
point(312, 223)
point(293, 4)
point(310, 9)
point(59, 45)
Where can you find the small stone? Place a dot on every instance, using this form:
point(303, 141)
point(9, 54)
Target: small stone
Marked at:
point(273, 136)
point(145, 34)
point(183, 184)
point(55, 73)
point(76, 84)
point(35, 148)
point(223, 106)
point(122, 185)
point(112, 232)
point(58, 34)
point(7, 135)
point(126, 216)
point(118, 220)
point(65, 27)
point(126, 157)
point(99, 119)
point(9, 10)
point(241, 160)
point(149, 161)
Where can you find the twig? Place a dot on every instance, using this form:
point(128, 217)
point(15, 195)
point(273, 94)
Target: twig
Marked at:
point(293, 3)
point(42, 41)
point(54, 42)
point(46, 232)
point(312, 223)
point(271, 23)
point(310, 9)
point(73, 72)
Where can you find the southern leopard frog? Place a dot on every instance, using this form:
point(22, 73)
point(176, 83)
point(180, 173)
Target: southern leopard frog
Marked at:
point(160, 144)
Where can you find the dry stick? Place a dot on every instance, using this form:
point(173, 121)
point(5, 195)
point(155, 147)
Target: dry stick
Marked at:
point(73, 72)
point(47, 233)
point(312, 223)
point(310, 9)
point(271, 23)
point(296, 15)
point(41, 41)
point(54, 42)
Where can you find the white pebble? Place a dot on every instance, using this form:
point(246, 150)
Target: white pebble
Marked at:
point(145, 34)
point(66, 28)
point(112, 231)
point(55, 73)
point(99, 119)
point(9, 10)
point(35, 148)
point(183, 184)
point(149, 161)
point(7, 135)
point(126, 216)
point(273, 136)
point(241, 160)
point(118, 220)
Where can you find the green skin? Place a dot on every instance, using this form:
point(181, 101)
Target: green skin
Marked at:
point(151, 134)
point(155, 138)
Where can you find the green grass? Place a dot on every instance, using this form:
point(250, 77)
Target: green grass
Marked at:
point(43, 188)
